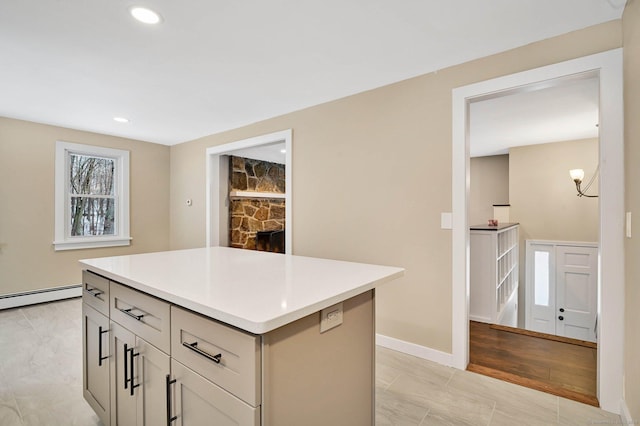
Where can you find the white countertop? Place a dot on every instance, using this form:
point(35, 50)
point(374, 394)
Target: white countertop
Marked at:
point(254, 291)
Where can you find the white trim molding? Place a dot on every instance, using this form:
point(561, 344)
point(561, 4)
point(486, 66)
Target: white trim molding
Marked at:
point(415, 350)
point(607, 66)
point(17, 300)
point(217, 195)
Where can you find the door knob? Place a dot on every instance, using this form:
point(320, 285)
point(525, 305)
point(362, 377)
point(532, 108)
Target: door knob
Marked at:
point(561, 309)
point(560, 317)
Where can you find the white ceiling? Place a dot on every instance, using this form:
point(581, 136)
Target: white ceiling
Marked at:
point(566, 110)
point(215, 65)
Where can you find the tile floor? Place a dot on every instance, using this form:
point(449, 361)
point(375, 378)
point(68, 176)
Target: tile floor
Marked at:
point(41, 383)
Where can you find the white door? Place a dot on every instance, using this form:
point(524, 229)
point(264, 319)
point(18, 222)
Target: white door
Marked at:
point(561, 289)
point(576, 292)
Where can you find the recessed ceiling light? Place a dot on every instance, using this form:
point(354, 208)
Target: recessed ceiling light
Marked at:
point(284, 151)
point(121, 119)
point(145, 15)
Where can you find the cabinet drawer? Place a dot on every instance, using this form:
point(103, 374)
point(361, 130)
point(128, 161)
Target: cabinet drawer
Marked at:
point(95, 292)
point(142, 314)
point(226, 356)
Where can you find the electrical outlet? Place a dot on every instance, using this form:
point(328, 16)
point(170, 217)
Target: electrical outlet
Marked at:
point(330, 317)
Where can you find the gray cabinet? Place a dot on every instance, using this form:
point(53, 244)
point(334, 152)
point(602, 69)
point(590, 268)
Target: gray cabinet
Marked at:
point(139, 369)
point(163, 364)
point(95, 342)
point(95, 377)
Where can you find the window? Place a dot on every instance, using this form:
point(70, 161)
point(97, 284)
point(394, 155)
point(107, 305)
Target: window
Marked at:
point(92, 197)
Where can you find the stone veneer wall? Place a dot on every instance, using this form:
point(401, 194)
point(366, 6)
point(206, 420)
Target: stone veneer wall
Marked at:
point(250, 215)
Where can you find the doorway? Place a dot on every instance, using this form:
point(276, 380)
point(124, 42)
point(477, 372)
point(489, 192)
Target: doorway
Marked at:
point(608, 68)
point(217, 197)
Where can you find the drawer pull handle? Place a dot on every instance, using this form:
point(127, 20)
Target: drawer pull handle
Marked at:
point(100, 357)
point(93, 291)
point(131, 314)
point(168, 383)
point(194, 347)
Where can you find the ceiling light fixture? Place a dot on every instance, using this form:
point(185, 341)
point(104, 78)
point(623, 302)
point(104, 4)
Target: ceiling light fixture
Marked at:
point(578, 175)
point(145, 15)
point(283, 151)
point(121, 119)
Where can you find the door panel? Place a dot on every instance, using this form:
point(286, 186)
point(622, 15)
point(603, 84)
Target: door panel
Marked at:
point(123, 406)
point(577, 292)
point(151, 369)
point(95, 335)
point(541, 288)
point(200, 402)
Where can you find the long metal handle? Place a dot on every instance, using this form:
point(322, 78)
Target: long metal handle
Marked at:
point(131, 314)
point(168, 384)
point(93, 291)
point(131, 372)
point(126, 369)
point(100, 357)
point(194, 347)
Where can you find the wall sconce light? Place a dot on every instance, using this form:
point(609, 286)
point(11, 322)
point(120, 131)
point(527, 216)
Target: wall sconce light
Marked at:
point(578, 175)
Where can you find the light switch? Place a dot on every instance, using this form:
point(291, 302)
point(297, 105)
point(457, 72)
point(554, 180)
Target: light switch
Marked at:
point(628, 224)
point(446, 221)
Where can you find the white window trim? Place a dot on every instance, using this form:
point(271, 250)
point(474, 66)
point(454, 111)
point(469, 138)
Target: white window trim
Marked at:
point(62, 241)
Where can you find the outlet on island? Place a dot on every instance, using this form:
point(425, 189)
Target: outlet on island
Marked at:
point(330, 317)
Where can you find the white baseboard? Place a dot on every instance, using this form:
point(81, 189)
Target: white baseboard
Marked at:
point(626, 415)
point(16, 300)
point(423, 352)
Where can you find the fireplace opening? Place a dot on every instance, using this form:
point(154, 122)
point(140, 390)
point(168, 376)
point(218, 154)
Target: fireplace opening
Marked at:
point(256, 205)
point(272, 241)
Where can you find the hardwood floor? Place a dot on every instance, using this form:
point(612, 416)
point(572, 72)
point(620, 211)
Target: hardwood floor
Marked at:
point(563, 367)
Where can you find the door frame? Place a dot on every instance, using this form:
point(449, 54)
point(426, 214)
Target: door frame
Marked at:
point(217, 196)
point(608, 66)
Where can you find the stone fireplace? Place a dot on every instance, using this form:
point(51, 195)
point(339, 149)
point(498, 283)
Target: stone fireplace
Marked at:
point(257, 205)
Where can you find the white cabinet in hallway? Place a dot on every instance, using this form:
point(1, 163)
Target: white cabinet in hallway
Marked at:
point(493, 281)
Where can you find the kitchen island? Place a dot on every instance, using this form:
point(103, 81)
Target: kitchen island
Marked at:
point(229, 336)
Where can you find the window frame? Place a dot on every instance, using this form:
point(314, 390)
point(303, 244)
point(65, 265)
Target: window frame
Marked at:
point(63, 239)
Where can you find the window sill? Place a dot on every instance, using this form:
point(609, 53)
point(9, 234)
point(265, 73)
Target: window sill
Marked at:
point(88, 243)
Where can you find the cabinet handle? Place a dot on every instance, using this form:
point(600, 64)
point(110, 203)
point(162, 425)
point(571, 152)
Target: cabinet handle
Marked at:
point(93, 291)
point(194, 347)
point(131, 314)
point(100, 357)
point(131, 373)
point(126, 368)
point(168, 383)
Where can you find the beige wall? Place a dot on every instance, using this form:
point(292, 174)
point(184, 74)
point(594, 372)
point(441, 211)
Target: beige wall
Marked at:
point(631, 27)
point(27, 153)
point(489, 185)
point(384, 159)
point(543, 196)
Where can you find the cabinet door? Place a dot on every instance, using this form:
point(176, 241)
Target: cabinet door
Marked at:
point(151, 368)
point(123, 404)
point(200, 402)
point(95, 361)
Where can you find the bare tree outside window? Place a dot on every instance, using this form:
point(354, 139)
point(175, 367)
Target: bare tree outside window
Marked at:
point(92, 195)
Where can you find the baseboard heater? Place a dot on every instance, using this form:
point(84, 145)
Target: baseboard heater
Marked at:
point(16, 300)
